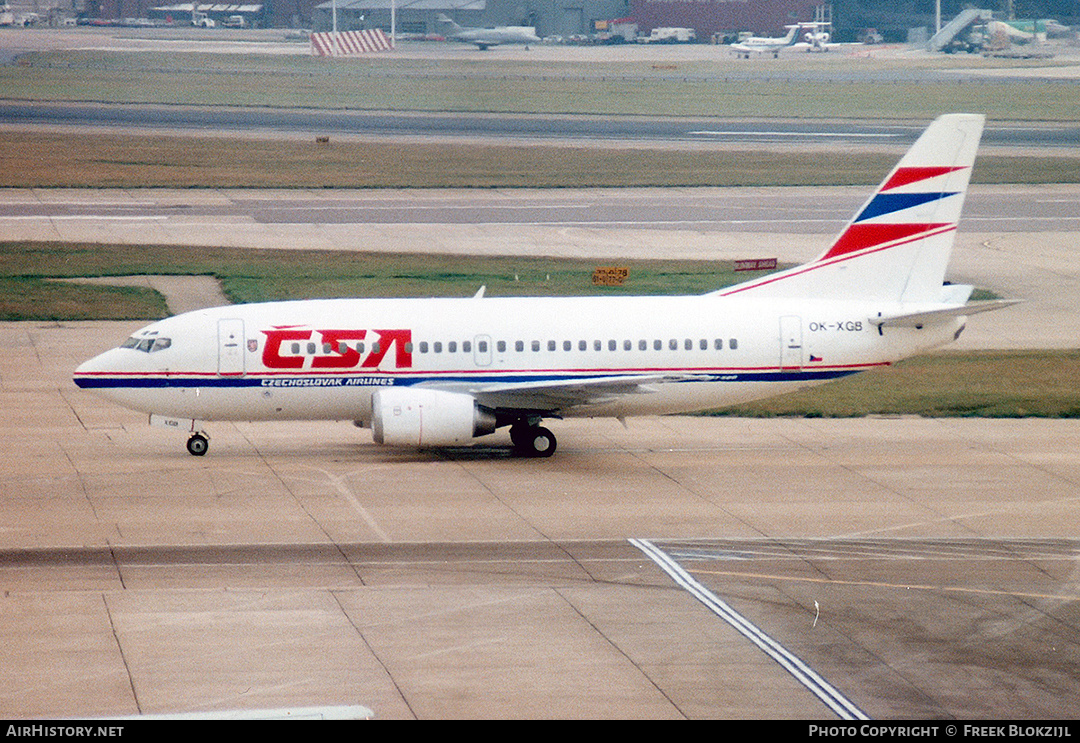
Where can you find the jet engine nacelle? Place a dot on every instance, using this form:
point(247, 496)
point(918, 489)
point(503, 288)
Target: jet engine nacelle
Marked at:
point(404, 416)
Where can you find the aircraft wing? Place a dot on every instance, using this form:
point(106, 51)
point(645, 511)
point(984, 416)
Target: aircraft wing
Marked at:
point(561, 394)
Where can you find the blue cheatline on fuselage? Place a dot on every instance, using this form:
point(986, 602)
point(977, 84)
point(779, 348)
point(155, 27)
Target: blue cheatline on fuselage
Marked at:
point(369, 380)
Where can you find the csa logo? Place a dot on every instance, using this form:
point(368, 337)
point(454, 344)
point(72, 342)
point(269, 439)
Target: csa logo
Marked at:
point(295, 347)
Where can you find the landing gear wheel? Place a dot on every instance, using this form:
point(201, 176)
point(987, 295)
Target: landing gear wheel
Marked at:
point(197, 445)
point(534, 441)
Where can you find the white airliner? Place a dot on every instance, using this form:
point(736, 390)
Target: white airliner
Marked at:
point(488, 37)
point(767, 44)
point(441, 372)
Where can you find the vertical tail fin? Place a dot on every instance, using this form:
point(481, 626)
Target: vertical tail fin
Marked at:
point(897, 246)
point(454, 27)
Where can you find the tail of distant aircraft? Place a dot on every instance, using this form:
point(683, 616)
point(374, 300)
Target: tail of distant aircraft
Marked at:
point(897, 246)
point(443, 18)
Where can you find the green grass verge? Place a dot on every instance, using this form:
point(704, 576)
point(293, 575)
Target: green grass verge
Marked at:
point(269, 275)
point(990, 384)
point(35, 298)
point(46, 159)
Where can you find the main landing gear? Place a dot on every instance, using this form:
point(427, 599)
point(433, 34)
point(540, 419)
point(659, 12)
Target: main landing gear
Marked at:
point(532, 440)
point(198, 444)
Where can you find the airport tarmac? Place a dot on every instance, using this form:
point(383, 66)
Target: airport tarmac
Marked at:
point(923, 568)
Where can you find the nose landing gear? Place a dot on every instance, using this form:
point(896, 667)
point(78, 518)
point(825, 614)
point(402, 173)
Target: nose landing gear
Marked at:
point(198, 444)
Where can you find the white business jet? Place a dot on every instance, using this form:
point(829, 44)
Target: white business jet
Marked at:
point(441, 372)
point(489, 37)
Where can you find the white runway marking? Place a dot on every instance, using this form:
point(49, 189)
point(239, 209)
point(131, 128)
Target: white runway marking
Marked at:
point(805, 675)
point(707, 133)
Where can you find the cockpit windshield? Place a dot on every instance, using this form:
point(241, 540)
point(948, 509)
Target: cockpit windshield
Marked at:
point(147, 345)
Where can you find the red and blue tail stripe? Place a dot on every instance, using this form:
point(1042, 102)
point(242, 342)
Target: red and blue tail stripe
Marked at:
point(875, 225)
point(897, 246)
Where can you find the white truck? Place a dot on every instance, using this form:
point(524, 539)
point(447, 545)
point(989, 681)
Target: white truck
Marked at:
point(666, 35)
point(201, 19)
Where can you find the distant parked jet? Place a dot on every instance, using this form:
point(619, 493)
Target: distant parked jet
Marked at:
point(486, 37)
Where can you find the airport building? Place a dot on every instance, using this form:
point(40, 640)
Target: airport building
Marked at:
point(710, 19)
point(419, 18)
point(570, 18)
point(713, 18)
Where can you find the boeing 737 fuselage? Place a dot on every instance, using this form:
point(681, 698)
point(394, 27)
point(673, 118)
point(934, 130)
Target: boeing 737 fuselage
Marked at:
point(441, 372)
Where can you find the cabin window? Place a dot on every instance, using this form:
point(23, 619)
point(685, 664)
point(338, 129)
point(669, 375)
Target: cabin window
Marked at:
point(408, 347)
point(311, 347)
point(627, 345)
point(643, 345)
point(423, 346)
point(376, 347)
point(612, 345)
point(451, 347)
point(704, 345)
point(718, 344)
point(536, 345)
point(500, 346)
point(551, 345)
point(673, 344)
point(437, 346)
point(733, 344)
point(466, 346)
point(583, 345)
point(519, 346)
point(567, 345)
point(658, 345)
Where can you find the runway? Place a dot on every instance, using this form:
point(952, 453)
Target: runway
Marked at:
point(809, 210)
point(924, 568)
point(535, 128)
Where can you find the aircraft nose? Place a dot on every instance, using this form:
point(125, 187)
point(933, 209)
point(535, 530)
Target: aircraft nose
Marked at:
point(90, 372)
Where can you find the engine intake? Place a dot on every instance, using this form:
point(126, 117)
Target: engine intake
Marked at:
point(403, 416)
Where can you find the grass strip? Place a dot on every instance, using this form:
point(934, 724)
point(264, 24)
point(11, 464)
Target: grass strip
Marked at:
point(977, 384)
point(270, 275)
point(826, 86)
point(39, 159)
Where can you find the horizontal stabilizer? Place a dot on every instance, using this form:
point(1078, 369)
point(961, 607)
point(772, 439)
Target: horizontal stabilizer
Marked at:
point(918, 319)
